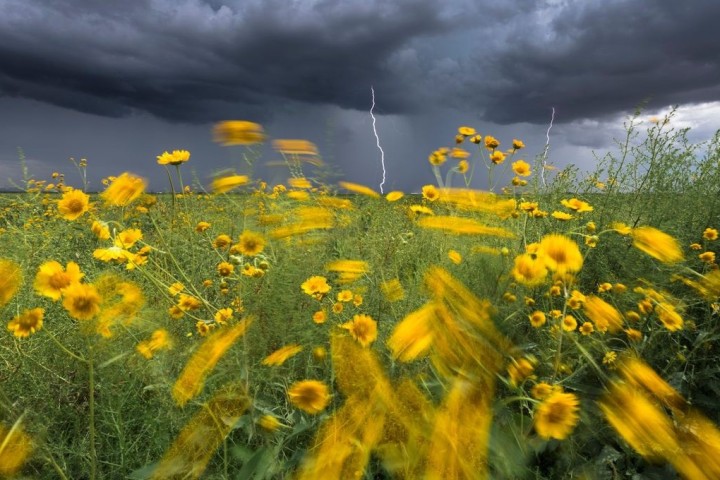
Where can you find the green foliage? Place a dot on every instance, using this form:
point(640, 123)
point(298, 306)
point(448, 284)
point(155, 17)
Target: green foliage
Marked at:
point(96, 408)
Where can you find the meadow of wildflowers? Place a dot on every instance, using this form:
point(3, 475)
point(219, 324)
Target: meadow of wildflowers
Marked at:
point(559, 328)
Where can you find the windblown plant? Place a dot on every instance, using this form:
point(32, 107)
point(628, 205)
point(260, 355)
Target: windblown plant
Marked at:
point(288, 331)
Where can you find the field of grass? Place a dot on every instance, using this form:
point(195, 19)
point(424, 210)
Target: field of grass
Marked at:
point(563, 327)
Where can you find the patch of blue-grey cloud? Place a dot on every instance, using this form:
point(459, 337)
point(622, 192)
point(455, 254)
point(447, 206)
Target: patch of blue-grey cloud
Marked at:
point(124, 81)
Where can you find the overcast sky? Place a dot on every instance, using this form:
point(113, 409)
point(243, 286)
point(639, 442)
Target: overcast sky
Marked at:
point(118, 82)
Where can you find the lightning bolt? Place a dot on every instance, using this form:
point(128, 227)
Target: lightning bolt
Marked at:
point(377, 139)
point(547, 146)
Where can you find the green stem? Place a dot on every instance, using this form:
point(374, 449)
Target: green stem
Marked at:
point(438, 177)
point(91, 400)
point(172, 192)
point(64, 349)
point(57, 468)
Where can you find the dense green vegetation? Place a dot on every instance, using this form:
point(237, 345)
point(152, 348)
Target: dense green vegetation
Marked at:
point(563, 328)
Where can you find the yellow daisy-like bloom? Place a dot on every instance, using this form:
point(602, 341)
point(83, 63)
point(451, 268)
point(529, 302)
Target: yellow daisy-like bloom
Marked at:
point(300, 182)
point(159, 340)
point(202, 226)
point(609, 358)
point(639, 421)
point(557, 416)
point(311, 396)
point(225, 269)
point(645, 306)
point(250, 243)
point(176, 288)
point(491, 142)
point(203, 361)
point(279, 356)
point(529, 270)
point(361, 189)
point(414, 209)
point(576, 299)
point(497, 157)
point(188, 302)
point(543, 390)
point(413, 336)
point(51, 279)
point(114, 253)
point(27, 323)
point(269, 423)
point(203, 328)
point(669, 316)
point(319, 317)
point(362, 328)
point(394, 196)
point(124, 190)
point(238, 132)
point(337, 308)
point(577, 205)
point(560, 253)
point(463, 166)
point(634, 335)
point(657, 244)
point(295, 147)
point(225, 184)
point(128, 238)
point(519, 370)
point(521, 168)
point(73, 204)
point(82, 301)
point(223, 315)
point(315, 285)
point(621, 228)
point(459, 153)
point(16, 448)
point(345, 296)
point(537, 319)
point(251, 271)
point(562, 216)
point(437, 158)
point(101, 230)
point(466, 131)
point(604, 316)
point(517, 144)
point(319, 354)
point(710, 234)
point(222, 241)
point(462, 226)
point(518, 182)
point(569, 324)
point(455, 257)
point(587, 328)
point(429, 192)
point(707, 257)
point(175, 158)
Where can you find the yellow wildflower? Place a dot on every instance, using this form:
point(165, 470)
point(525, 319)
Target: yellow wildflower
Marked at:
point(238, 132)
point(73, 204)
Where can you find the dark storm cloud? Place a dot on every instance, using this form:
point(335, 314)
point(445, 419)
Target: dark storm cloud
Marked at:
point(199, 61)
point(588, 59)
